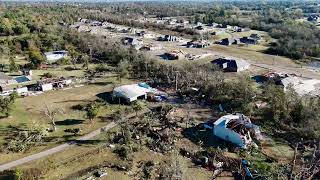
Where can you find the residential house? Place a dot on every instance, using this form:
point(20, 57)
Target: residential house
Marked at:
point(313, 18)
point(228, 41)
point(173, 55)
point(134, 42)
point(167, 38)
point(26, 72)
point(130, 93)
point(236, 129)
point(197, 44)
point(21, 90)
point(84, 28)
point(231, 65)
point(217, 32)
point(96, 23)
point(248, 40)
point(255, 36)
point(131, 41)
point(145, 34)
point(151, 47)
point(54, 56)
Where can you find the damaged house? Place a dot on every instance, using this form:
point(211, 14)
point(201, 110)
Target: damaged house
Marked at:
point(236, 129)
point(228, 41)
point(231, 65)
point(173, 55)
point(168, 38)
point(134, 42)
point(197, 44)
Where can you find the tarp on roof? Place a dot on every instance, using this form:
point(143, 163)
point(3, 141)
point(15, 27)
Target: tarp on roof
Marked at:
point(22, 79)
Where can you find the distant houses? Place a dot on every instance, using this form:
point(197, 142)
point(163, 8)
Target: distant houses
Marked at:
point(313, 18)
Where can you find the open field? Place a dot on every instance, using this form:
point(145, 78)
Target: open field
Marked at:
point(28, 112)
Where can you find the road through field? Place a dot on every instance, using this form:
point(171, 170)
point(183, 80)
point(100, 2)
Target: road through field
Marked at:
point(65, 145)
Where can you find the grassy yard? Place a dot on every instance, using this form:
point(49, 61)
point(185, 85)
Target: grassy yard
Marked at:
point(71, 162)
point(28, 113)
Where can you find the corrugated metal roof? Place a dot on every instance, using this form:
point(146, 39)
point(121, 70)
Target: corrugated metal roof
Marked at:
point(131, 91)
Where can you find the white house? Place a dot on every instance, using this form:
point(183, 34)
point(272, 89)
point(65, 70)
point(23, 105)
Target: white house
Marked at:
point(22, 90)
point(55, 56)
point(236, 129)
point(47, 87)
point(130, 92)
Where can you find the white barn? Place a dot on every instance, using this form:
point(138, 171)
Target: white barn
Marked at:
point(130, 92)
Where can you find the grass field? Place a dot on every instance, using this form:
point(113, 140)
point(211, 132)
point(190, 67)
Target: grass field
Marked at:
point(71, 162)
point(28, 112)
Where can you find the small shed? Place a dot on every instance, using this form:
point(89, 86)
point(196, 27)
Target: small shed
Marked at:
point(46, 87)
point(22, 90)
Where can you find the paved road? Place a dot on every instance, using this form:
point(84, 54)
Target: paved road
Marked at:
point(64, 146)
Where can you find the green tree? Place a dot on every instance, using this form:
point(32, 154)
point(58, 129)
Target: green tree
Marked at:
point(122, 70)
point(138, 106)
point(85, 58)
point(278, 101)
point(13, 67)
point(6, 104)
point(92, 110)
point(74, 55)
point(35, 57)
point(18, 174)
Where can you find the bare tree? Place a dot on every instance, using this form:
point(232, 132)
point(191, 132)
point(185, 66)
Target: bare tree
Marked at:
point(51, 114)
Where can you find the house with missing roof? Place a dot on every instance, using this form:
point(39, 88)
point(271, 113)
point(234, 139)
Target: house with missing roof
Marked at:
point(236, 129)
